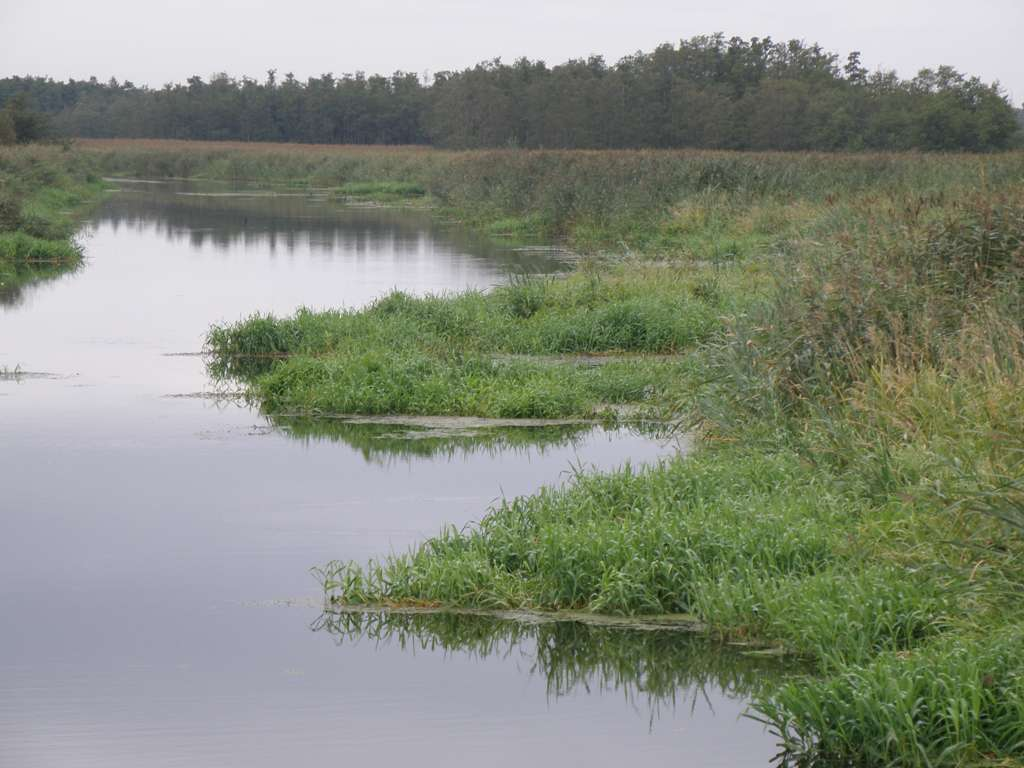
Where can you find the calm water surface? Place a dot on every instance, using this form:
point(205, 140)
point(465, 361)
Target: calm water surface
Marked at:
point(155, 545)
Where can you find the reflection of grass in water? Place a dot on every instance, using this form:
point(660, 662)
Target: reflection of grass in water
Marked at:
point(526, 350)
point(381, 442)
point(644, 664)
point(16, 279)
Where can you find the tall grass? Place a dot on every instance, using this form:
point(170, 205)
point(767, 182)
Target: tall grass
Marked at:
point(756, 546)
point(955, 701)
point(892, 360)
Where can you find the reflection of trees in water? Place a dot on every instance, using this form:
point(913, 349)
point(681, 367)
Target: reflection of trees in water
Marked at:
point(386, 443)
point(647, 665)
point(290, 222)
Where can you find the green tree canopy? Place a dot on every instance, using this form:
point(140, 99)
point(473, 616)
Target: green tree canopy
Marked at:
point(708, 92)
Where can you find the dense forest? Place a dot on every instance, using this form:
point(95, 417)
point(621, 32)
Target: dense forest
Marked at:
point(707, 92)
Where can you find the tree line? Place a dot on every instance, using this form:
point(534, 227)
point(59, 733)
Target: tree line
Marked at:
point(20, 123)
point(706, 92)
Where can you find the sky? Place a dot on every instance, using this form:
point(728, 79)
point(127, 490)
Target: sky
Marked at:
point(158, 42)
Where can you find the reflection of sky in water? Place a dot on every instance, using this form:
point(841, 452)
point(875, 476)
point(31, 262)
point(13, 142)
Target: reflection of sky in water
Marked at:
point(145, 537)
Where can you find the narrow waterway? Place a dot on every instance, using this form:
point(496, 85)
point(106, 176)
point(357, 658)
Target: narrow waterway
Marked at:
point(155, 541)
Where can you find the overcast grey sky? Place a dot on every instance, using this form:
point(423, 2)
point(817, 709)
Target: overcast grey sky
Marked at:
point(159, 42)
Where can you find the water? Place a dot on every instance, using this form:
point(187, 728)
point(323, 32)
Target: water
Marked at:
point(155, 545)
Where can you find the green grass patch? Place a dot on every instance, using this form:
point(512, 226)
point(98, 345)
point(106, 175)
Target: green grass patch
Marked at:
point(756, 546)
point(43, 191)
point(24, 258)
point(20, 250)
point(510, 353)
point(381, 383)
point(382, 190)
point(956, 700)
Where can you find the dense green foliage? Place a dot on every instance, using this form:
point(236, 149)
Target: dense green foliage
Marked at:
point(19, 124)
point(954, 701)
point(41, 189)
point(468, 354)
point(707, 92)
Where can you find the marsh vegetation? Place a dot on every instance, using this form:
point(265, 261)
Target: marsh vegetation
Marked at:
point(853, 362)
point(845, 335)
point(42, 189)
point(474, 354)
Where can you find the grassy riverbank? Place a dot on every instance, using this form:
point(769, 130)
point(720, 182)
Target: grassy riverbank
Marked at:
point(858, 500)
point(43, 189)
point(846, 334)
point(855, 367)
